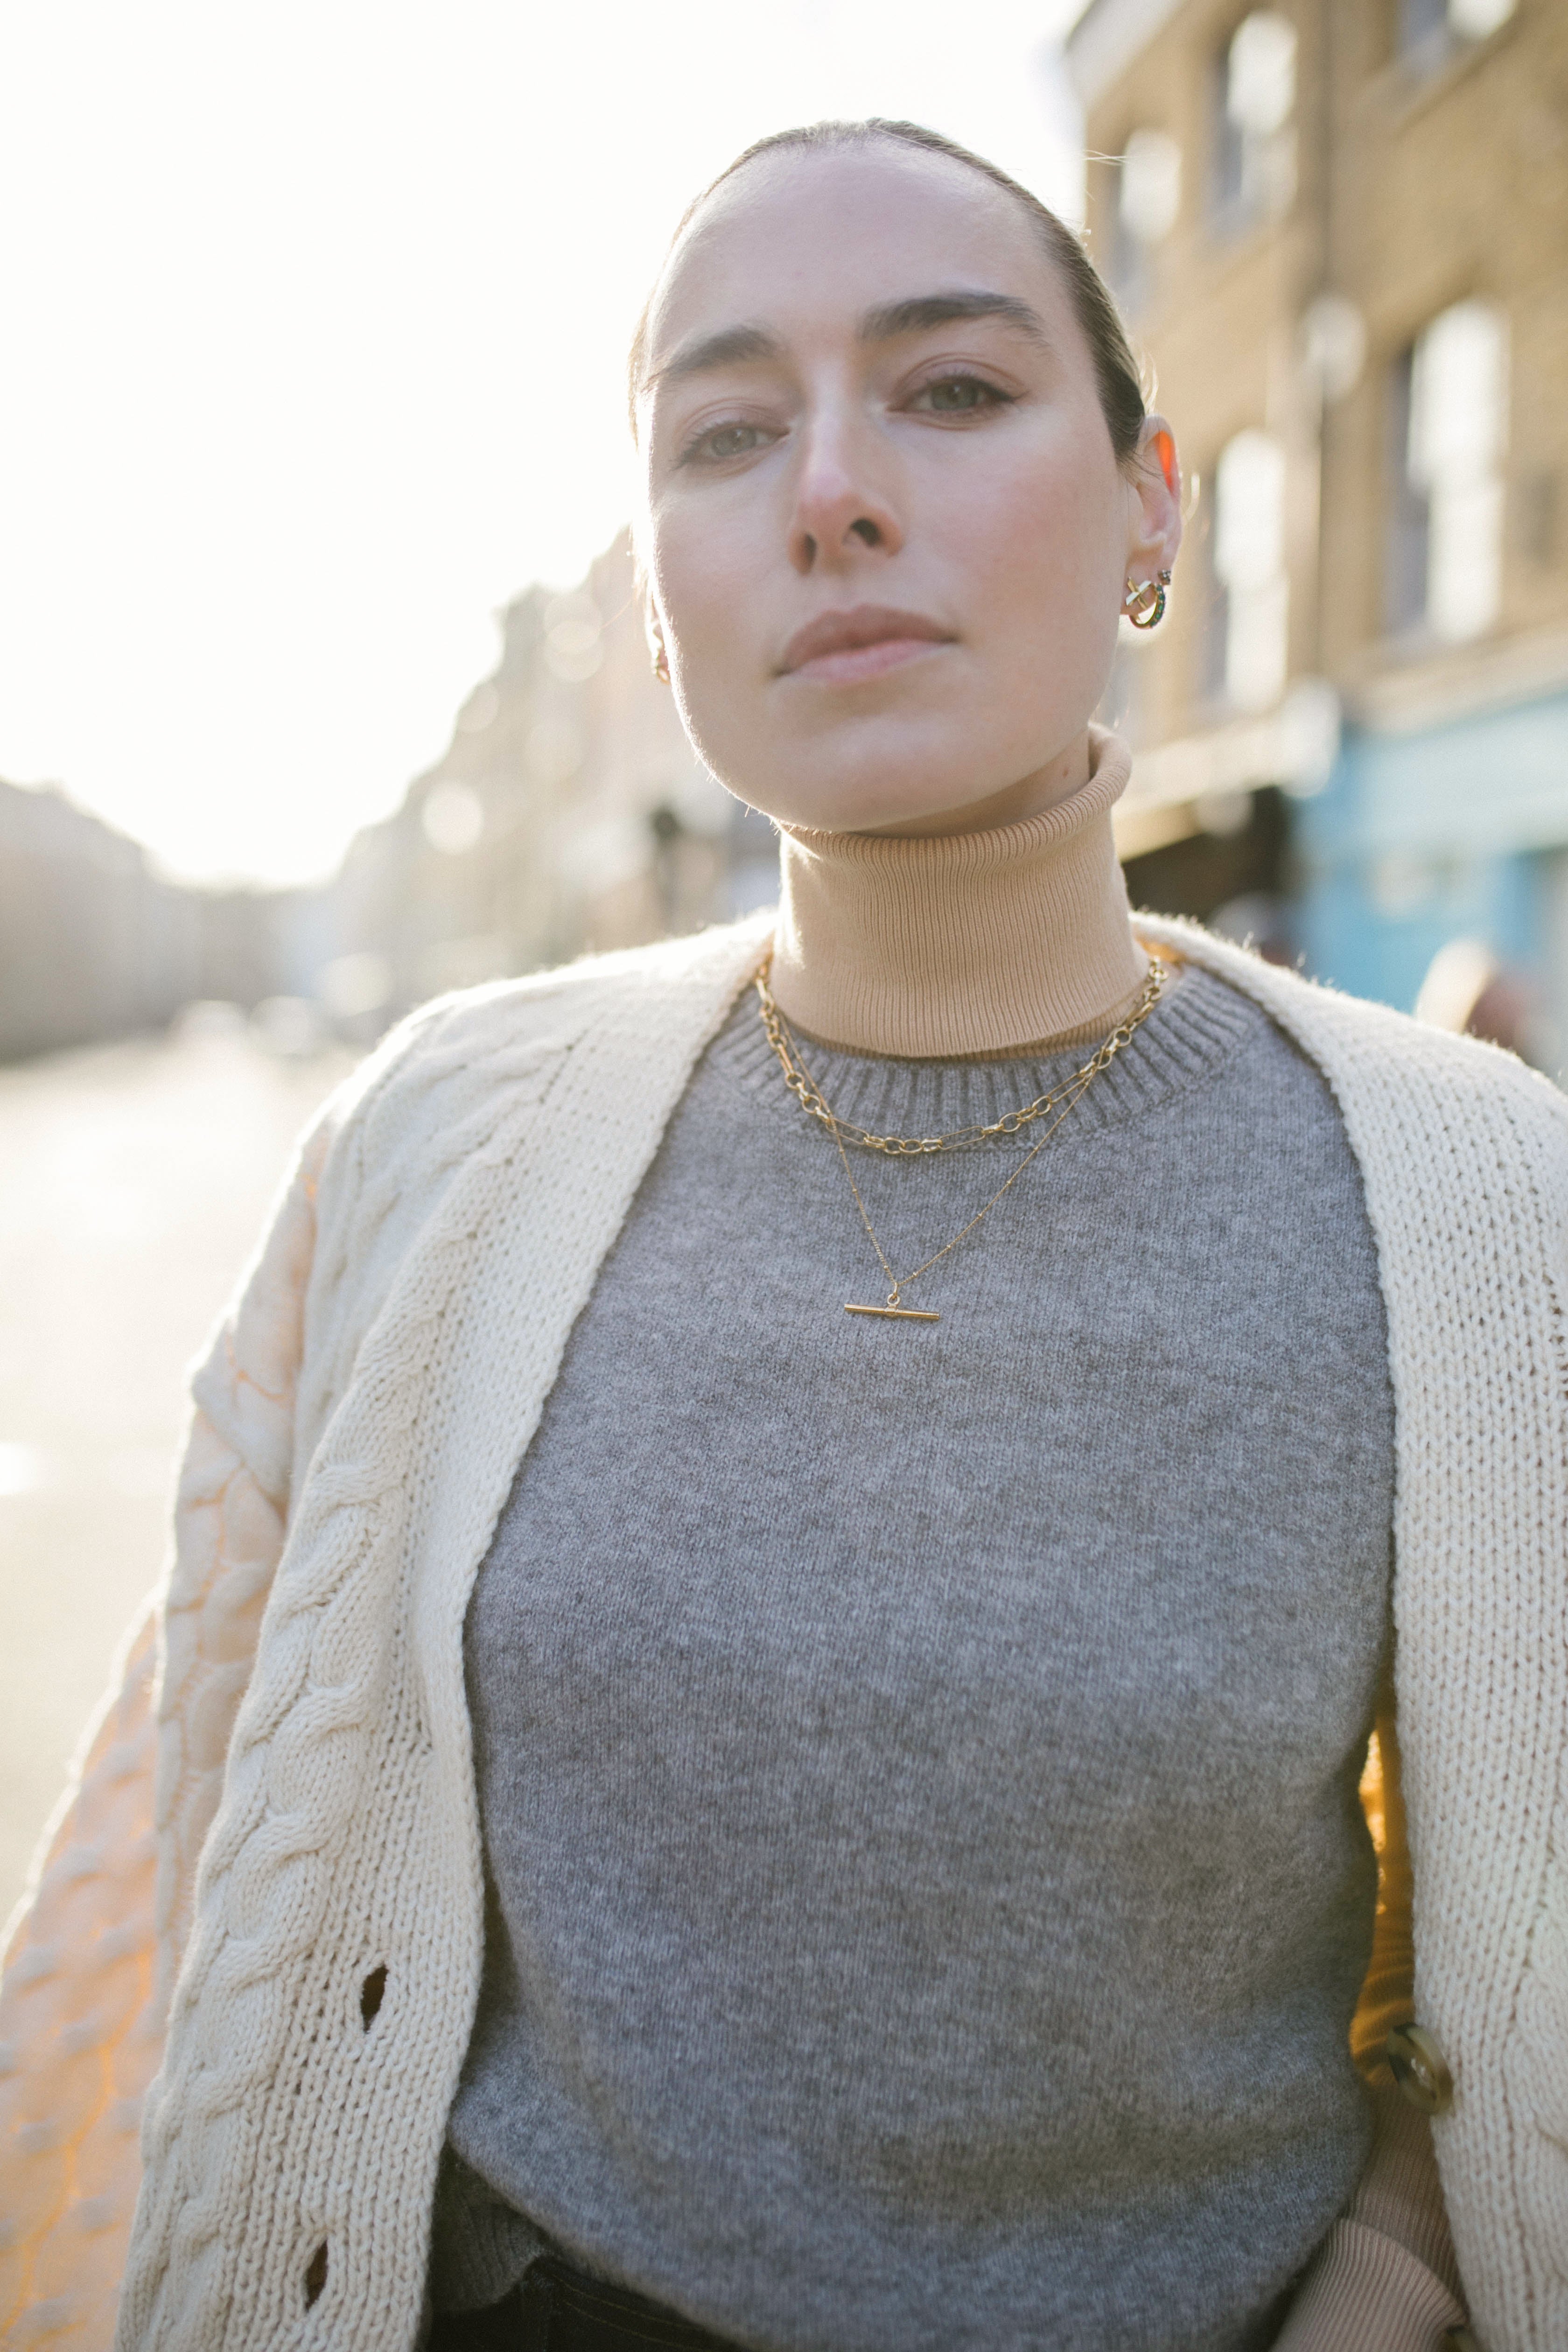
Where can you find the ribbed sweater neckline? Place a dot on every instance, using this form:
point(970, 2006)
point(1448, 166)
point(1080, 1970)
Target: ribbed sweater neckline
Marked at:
point(936, 947)
point(1197, 1028)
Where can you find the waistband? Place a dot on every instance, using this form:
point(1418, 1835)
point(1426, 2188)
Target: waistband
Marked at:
point(557, 2308)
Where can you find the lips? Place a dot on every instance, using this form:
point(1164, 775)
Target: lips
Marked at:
point(864, 643)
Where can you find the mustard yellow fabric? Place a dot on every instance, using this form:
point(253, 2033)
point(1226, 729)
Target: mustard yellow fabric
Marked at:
point(1387, 1997)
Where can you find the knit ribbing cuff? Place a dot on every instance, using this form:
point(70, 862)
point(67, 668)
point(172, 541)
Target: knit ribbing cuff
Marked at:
point(1364, 2290)
point(479, 2247)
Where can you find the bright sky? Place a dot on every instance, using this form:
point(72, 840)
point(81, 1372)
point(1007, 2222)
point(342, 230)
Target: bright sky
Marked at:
point(314, 318)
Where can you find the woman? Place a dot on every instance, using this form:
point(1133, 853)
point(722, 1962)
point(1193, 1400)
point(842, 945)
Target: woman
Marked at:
point(759, 1730)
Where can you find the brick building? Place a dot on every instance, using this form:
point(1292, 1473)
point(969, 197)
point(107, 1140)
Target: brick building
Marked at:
point(1339, 229)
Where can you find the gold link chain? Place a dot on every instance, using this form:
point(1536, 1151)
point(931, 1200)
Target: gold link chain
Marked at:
point(801, 1083)
point(807, 1092)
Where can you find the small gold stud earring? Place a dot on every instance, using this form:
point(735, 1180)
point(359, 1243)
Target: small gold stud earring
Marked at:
point(661, 663)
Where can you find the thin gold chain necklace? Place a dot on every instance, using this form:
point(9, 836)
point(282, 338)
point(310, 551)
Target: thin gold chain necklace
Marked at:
point(803, 1088)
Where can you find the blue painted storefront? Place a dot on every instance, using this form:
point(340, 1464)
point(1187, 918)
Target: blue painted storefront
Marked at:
point(1421, 838)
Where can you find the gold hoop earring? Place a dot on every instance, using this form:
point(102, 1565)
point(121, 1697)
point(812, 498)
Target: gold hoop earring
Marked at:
point(1136, 604)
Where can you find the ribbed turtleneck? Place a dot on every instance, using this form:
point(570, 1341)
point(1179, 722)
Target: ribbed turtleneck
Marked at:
point(953, 944)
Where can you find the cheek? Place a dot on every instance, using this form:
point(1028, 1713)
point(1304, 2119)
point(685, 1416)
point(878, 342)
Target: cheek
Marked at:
point(703, 570)
point(1041, 551)
point(1043, 542)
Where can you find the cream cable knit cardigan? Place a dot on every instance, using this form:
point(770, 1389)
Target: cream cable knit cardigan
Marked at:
point(313, 1809)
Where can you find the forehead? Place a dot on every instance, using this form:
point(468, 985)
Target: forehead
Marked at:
point(802, 237)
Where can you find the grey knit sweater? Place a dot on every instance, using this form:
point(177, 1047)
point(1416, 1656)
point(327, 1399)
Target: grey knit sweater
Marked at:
point(917, 1762)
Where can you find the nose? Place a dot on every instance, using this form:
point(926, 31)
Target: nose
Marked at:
point(844, 505)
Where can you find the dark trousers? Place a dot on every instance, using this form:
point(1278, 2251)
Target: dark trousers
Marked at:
point(559, 2309)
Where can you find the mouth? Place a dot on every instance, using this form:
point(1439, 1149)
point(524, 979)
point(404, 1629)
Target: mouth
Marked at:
point(843, 648)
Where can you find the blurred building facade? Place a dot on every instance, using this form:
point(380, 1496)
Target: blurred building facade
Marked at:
point(1339, 229)
point(568, 814)
point(95, 943)
point(92, 943)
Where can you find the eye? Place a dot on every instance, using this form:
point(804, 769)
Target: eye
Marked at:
point(722, 441)
point(959, 395)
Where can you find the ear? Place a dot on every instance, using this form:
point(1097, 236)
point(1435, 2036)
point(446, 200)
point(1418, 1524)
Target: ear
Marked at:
point(1153, 479)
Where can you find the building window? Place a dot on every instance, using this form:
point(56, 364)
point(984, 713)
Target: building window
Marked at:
point(1421, 23)
point(1148, 199)
point(1205, 597)
point(1450, 419)
point(1409, 512)
point(1254, 136)
point(1253, 601)
point(1430, 30)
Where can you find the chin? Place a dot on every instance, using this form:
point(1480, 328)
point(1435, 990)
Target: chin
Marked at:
point(857, 812)
point(862, 803)
point(862, 791)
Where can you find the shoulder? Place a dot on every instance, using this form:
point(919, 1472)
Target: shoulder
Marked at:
point(1376, 1056)
point(445, 1076)
point(485, 1101)
point(479, 1045)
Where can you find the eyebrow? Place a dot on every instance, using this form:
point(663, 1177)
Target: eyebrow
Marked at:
point(922, 311)
point(730, 347)
point(735, 346)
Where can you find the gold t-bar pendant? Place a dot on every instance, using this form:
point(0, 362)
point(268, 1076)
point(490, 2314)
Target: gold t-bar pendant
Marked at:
point(899, 1313)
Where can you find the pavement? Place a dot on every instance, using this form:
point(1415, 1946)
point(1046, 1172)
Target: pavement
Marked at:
point(135, 1182)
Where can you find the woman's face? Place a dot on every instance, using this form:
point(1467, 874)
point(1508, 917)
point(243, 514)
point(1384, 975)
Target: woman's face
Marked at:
point(885, 534)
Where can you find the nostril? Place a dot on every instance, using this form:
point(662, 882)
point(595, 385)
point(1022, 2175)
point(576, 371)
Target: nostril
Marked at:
point(867, 530)
point(316, 2276)
point(370, 1994)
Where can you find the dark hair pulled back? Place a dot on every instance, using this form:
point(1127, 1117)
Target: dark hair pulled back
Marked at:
point(1116, 370)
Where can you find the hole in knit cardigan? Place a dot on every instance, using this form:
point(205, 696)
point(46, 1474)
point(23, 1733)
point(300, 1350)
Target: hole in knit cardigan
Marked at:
point(316, 2276)
point(370, 1994)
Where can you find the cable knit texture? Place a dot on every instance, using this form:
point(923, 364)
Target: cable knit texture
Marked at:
point(960, 943)
point(92, 1953)
point(467, 1187)
point(82, 2035)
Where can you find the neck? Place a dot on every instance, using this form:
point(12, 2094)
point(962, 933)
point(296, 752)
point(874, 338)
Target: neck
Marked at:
point(961, 943)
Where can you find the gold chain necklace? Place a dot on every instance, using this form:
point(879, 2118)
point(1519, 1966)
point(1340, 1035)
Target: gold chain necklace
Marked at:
point(807, 1092)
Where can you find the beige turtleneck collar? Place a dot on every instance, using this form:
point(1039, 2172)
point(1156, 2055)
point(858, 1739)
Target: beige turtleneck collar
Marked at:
point(960, 943)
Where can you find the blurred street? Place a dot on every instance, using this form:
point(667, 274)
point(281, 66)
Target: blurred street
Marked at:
point(134, 1178)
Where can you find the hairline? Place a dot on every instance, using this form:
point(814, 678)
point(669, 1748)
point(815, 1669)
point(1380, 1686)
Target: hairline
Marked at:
point(816, 138)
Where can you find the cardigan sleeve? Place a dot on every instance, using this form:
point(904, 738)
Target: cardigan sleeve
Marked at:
point(1386, 2274)
point(93, 1950)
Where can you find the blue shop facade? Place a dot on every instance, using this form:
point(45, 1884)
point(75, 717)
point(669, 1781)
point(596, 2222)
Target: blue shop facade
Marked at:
point(1458, 830)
